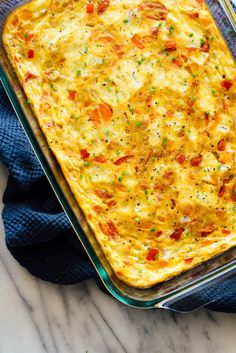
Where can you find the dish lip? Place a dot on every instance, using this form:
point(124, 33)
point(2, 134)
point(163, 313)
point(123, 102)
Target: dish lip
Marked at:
point(125, 294)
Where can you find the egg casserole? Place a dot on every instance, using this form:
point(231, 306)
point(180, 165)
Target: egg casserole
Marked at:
point(137, 101)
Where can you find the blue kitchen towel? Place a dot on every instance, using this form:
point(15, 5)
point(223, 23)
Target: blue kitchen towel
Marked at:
point(38, 233)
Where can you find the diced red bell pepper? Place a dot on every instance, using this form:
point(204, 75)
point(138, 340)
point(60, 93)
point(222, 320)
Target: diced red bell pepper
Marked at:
point(170, 45)
point(30, 54)
point(222, 190)
point(226, 231)
point(30, 76)
point(123, 159)
point(109, 229)
point(154, 10)
point(181, 158)
point(205, 47)
point(226, 84)
point(196, 161)
point(178, 61)
point(176, 235)
point(151, 256)
point(102, 194)
point(84, 153)
point(100, 159)
point(207, 231)
point(137, 41)
point(72, 95)
point(173, 204)
point(111, 203)
point(90, 8)
point(103, 6)
point(221, 145)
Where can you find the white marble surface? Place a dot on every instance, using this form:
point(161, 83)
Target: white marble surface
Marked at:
point(38, 317)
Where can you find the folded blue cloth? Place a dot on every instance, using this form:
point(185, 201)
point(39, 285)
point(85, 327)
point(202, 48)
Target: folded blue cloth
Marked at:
point(38, 233)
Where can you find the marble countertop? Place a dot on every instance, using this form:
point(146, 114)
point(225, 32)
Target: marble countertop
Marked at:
point(41, 317)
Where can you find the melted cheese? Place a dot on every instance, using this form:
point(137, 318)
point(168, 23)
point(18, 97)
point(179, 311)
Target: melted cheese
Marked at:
point(137, 102)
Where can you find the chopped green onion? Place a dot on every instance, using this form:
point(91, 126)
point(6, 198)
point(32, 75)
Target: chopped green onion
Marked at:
point(171, 29)
point(202, 41)
point(85, 50)
point(140, 61)
point(164, 141)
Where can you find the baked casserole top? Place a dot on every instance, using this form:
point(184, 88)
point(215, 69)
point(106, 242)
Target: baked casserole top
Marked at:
point(137, 101)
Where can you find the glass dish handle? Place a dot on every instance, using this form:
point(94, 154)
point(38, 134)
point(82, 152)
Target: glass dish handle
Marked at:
point(201, 295)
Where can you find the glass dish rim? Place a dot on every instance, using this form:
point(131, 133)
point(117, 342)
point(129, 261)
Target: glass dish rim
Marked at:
point(105, 277)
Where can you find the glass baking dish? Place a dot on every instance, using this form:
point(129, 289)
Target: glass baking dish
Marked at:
point(189, 290)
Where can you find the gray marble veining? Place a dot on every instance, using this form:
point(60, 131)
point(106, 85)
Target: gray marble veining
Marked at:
point(40, 317)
